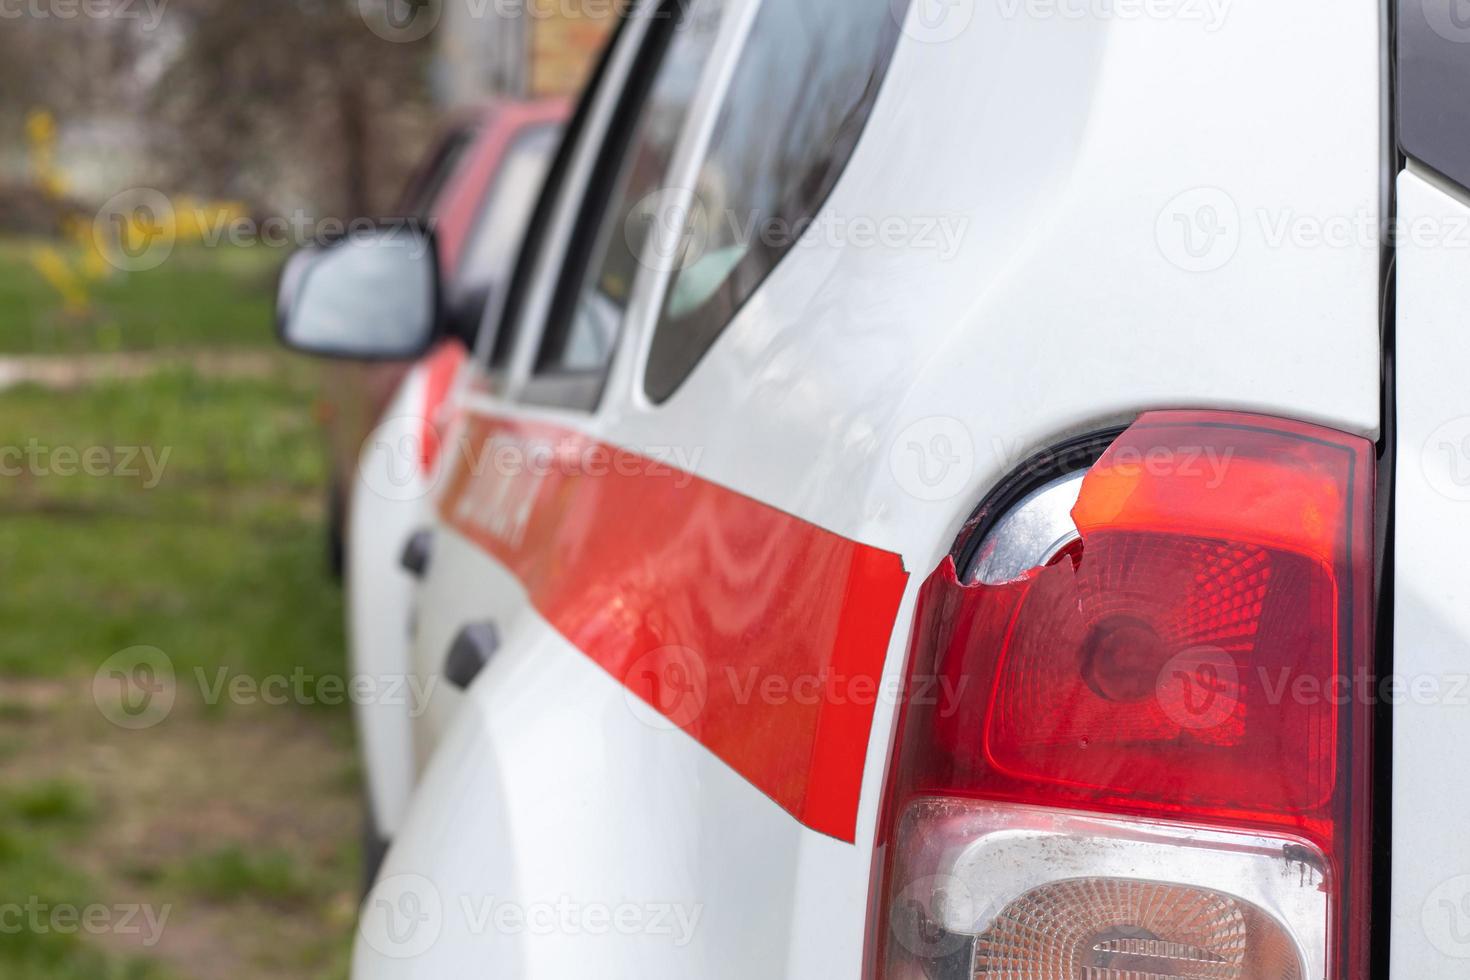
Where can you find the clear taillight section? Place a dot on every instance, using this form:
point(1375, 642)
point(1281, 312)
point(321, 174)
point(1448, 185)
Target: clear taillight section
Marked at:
point(1159, 763)
point(1121, 928)
point(1024, 893)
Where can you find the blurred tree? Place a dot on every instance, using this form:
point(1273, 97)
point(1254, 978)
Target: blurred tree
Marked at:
point(58, 70)
point(68, 66)
point(291, 102)
point(278, 103)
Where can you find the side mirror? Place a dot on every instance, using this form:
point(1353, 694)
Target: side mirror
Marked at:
point(371, 296)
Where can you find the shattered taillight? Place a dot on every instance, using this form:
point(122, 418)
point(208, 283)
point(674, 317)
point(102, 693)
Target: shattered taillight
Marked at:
point(1160, 765)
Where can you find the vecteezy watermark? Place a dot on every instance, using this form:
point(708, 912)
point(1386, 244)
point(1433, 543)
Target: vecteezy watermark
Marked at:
point(669, 688)
point(922, 909)
point(752, 685)
point(1199, 688)
point(1450, 19)
point(303, 688)
point(1199, 230)
point(47, 918)
point(1446, 918)
point(1445, 459)
point(673, 229)
point(394, 463)
point(1205, 687)
point(673, 681)
point(1361, 229)
point(667, 230)
point(36, 459)
point(511, 455)
point(933, 459)
point(1206, 463)
point(504, 467)
point(405, 914)
point(406, 21)
point(675, 922)
point(149, 12)
point(401, 21)
point(138, 229)
point(1202, 229)
point(137, 688)
point(933, 21)
point(1282, 686)
point(402, 916)
point(1210, 14)
point(509, 474)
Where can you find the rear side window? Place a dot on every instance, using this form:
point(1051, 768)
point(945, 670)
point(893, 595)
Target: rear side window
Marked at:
point(802, 92)
point(425, 185)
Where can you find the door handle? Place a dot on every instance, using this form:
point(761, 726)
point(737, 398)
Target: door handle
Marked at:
point(470, 652)
point(417, 551)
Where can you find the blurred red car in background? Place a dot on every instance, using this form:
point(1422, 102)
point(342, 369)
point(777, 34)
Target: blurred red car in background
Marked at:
point(476, 187)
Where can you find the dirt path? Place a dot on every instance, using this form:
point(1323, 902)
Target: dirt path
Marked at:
point(74, 371)
point(198, 784)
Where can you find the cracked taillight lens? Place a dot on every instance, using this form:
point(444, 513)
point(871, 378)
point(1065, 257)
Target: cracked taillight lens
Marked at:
point(1187, 685)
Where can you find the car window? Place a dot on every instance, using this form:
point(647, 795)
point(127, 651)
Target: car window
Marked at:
point(509, 321)
point(485, 264)
point(424, 187)
point(802, 92)
point(603, 263)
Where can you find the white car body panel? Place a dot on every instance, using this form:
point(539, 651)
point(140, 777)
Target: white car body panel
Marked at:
point(1431, 713)
point(388, 505)
point(1059, 312)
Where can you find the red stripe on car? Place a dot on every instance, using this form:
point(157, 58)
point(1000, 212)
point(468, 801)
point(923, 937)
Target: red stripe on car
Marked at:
point(757, 633)
point(439, 368)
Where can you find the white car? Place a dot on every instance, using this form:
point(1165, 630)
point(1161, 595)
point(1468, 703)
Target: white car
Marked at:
point(953, 490)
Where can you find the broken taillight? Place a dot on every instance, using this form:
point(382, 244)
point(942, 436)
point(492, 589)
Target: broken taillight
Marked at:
point(1160, 765)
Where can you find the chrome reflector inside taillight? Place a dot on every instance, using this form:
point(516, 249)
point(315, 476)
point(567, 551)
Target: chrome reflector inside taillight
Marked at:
point(1122, 929)
point(1026, 893)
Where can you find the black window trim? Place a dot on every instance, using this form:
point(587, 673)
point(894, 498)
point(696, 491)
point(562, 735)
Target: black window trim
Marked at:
point(429, 180)
point(497, 358)
point(583, 390)
point(1431, 78)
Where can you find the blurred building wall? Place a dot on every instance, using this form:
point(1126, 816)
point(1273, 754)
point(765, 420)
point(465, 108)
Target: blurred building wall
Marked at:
point(517, 48)
point(565, 42)
point(480, 54)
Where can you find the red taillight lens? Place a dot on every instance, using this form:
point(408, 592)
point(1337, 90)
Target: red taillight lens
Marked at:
point(1203, 659)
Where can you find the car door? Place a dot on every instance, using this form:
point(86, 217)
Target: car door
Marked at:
point(543, 370)
point(486, 208)
point(590, 556)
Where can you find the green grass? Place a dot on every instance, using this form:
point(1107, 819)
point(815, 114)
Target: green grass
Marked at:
point(55, 802)
point(211, 552)
point(38, 824)
point(36, 883)
point(211, 549)
point(217, 297)
point(234, 874)
point(55, 955)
